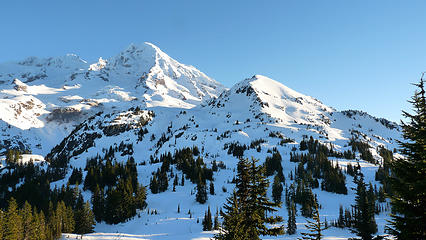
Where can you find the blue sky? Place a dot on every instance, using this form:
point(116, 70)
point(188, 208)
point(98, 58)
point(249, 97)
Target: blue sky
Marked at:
point(359, 54)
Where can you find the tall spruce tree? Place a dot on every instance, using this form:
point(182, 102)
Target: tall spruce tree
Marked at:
point(408, 180)
point(291, 223)
point(201, 195)
point(364, 223)
point(85, 220)
point(13, 224)
point(245, 215)
point(207, 220)
point(277, 189)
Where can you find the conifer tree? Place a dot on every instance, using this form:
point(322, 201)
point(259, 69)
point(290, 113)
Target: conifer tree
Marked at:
point(211, 188)
point(84, 220)
point(408, 181)
point(364, 223)
point(291, 223)
point(207, 220)
point(245, 211)
point(201, 195)
point(232, 220)
point(27, 221)
point(216, 223)
point(13, 224)
point(277, 189)
point(315, 227)
point(98, 202)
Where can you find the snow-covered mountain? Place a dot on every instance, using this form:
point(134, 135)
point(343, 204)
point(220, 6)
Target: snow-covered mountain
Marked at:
point(144, 104)
point(46, 97)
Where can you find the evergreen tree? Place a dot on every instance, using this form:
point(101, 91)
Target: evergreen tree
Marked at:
point(315, 227)
point(364, 224)
point(27, 221)
point(201, 195)
point(211, 188)
point(408, 182)
point(207, 220)
point(277, 189)
point(232, 220)
point(40, 226)
point(291, 223)
point(13, 223)
point(84, 220)
point(216, 223)
point(98, 202)
point(245, 211)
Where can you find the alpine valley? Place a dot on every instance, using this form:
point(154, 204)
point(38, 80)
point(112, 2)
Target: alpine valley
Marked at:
point(179, 131)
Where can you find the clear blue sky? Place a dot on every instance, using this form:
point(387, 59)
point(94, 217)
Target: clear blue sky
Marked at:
point(359, 54)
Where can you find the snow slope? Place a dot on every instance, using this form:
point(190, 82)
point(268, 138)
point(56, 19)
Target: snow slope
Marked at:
point(256, 108)
point(90, 107)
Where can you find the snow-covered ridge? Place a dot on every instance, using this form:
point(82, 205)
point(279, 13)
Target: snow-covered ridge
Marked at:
point(60, 92)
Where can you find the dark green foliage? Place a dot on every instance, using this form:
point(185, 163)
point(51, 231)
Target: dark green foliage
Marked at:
point(318, 166)
point(273, 164)
point(364, 223)
point(211, 188)
point(207, 221)
point(28, 223)
point(409, 174)
point(291, 222)
point(216, 223)
point(364, 149)
point(123, 194)
point(236, 149)
point(315, 227)
point(201, 195)
point(84, 219)
point(245, 211)
point(277, 189)
point(76, 176)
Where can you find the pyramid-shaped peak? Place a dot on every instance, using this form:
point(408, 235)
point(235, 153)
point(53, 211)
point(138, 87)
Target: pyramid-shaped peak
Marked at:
point(265, 85)
point(144, 49)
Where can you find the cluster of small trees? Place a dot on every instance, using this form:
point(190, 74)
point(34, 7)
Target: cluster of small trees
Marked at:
point(116, 192)
point(364, 149)
point(319, 167)
point(13, 156)
point(192, 168)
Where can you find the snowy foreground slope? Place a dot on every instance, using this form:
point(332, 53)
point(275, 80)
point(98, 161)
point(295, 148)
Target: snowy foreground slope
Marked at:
point(176, 106)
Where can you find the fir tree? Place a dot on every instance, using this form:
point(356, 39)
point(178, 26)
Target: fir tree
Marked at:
point(211, 188)
point(98, 202)
point(13, 224)
point(201, 195)
point(364, 224)
point(277, 189)
point(245, 211)
point(291, 223)
point(232, 220)
point(408, 181)
point(216, 223)
point(84, 220)
point(207, 220)
point(315, 227)
point(27, 221)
